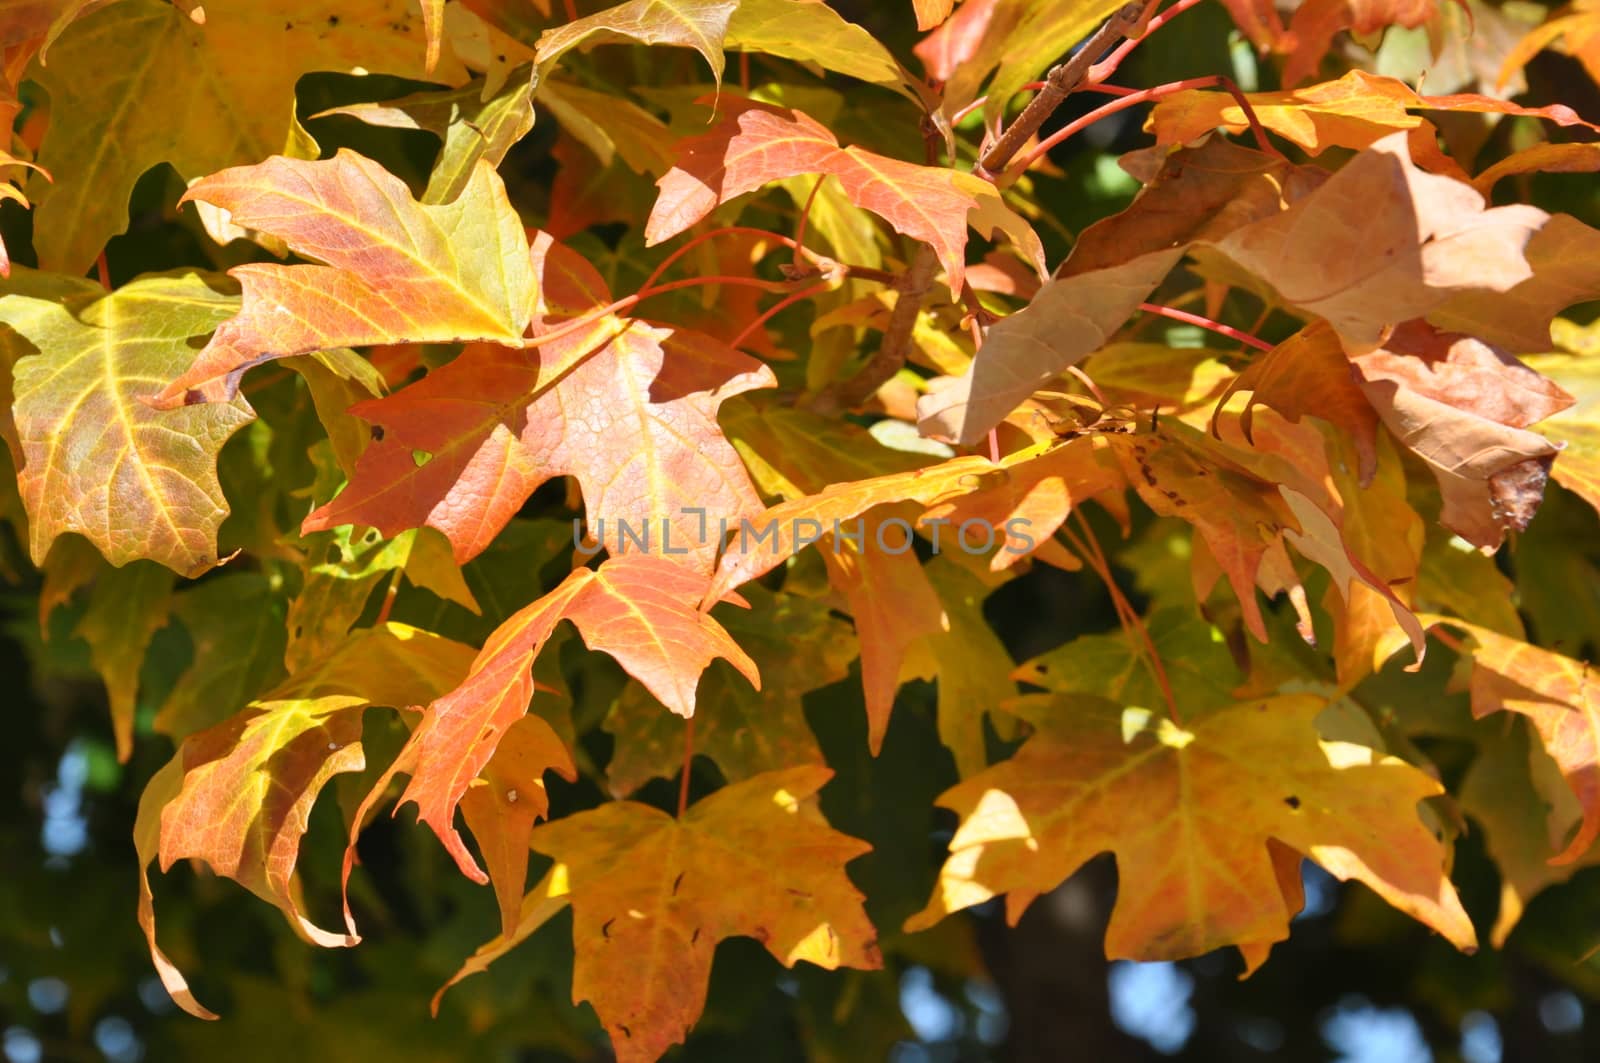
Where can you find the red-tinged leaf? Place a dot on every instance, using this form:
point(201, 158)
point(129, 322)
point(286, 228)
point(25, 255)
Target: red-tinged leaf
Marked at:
point(755, 144)
point(1464, 408)
point(238, 795)
point(931, 13)
point(395, 270)
point(638, 608)
point(201, 95)
point(1317, 22)
point(1559, 696)
point(1394, 243)
point(1259, 21)
point(1209, 796)
point(627, 407)
point(697, 24)
point(1356, 111)
point(957, 40)
point(652, 896)
point(502, 807)
point(1565, 258)
point(92, 456)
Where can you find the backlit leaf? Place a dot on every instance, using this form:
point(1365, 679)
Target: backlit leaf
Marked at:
point(638, 608)
point(627, 407)
point(94, 458)
point(652, 896)
point(755, 144)
point(242, 791)
point(1197, 874)
point(171, 92)
point(394, 270)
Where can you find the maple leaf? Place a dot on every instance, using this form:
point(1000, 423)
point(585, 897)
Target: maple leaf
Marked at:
point(1210, 796)
point(697, 24)
point(1352, 112)
point(469, 126)
point(796, 643)
point(498, 421)
point(175, 97)
point(639, 608)
point(395, 270)
point(1576, 429)
point(1576, 26)
point(236, 623)
point(972, 666)
point(1032, 498)
point(126, 607)
point(810, 32)
point(794, 454)
point(1557, 696)
point(1464, 407)
point(930, 13)
point(1540, 158)
point(652, 896)
point(508, 798)
point(1309, 375)
point(1564, 256)
point(1316, 22)
point(956, 40)
point(1524, 822)
point(1398, 244)
point(757, 143)
point(92, 457)
point(238, 795)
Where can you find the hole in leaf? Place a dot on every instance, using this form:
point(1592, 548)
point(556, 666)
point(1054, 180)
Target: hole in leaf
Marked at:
point(1292, 801)
point(421, 457)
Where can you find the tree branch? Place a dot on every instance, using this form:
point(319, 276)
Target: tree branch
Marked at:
point(1060, 84)
point(891, 356)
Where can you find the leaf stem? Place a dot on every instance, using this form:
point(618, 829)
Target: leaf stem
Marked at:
point(688, 762)
point(1089, 548)
point(103, 271)
point(776, 308)
point(1133, 99)
point(1206, 323)
point(1108, 66)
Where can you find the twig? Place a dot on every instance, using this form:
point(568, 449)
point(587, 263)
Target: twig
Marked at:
point(891, 356)
point(776, 308)
point(1059, 85)
point(688, 762)
point(1102, 70)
